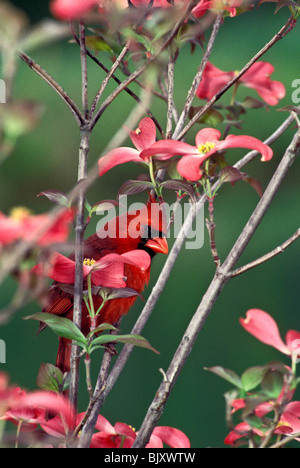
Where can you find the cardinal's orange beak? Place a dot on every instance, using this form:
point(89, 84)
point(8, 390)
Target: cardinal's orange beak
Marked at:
point(158, 244)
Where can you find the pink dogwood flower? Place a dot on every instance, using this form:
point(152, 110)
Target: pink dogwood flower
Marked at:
point(29, 409)
point(70, 9)
point(21, 224)
point(29, 417)
point(207, 143)
point(9, 395)
point(257, 78)
point(122, 435)
point(107, 272)
point(204, 5)
point(156, 3)
point(261, 325)
point(241, 430)
point(289, 422)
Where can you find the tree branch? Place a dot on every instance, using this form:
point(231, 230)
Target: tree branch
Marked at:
point(119, 82)
point(198, 76)
point(54, 85)
point(264, 258)
point(80, 225)
point(84, 77)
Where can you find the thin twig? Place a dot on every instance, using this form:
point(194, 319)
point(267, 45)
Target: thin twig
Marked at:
point(198, 76)
point(126, 89)
point(57, 88)
point(210, 224)
point(104, 83)
point(264, 258)
point(79, 227)
point(286, 440)
point(84, 77)
point(170, 109)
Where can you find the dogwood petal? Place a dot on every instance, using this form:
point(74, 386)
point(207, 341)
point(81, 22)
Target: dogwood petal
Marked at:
point(245, 141)
point(292, 340)
point(124, 430)
point(117, 156)
point(240, 430)
point(172, 436)
point(104, 425)
point(155, 442)
point(9, 229)
point(202, 8)
point(110, 276)
point(145, 135)
point(258, 78)
point(213, 80)
point(60, 268)
point(53, 427)
point(271, 93)
point(189, 167)
point(66, 9)
point(165, 149)
point(264, 328)
point(207, 135)
point(52, 402)
point(138, 258)
point(109, 271)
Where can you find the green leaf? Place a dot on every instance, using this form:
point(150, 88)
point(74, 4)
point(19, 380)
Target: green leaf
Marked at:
point(230, 174)
point(212, 117)
point(172, 168)
point(252, 377)
point(131, 187)
point(179, 185)
point(117, 293)
point(254, 183)
point(98, 44)
point(101, 328)
point(102, 206)
point(135, 340)
point(226, 374)
point(60, 325)
point(253, 103)
point(50, 378)
point(55, 196)
point(272, 383)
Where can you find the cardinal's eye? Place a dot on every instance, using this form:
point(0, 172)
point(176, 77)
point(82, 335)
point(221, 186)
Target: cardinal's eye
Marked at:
point(150, 233)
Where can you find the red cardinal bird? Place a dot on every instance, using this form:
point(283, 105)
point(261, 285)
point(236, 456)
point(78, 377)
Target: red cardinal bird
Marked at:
point(144, 229)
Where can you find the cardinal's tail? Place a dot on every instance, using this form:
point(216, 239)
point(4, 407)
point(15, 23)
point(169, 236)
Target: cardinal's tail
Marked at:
point(64, 355)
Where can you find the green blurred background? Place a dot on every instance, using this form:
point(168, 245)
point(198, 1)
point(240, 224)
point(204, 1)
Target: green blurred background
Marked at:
point(47, 159)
